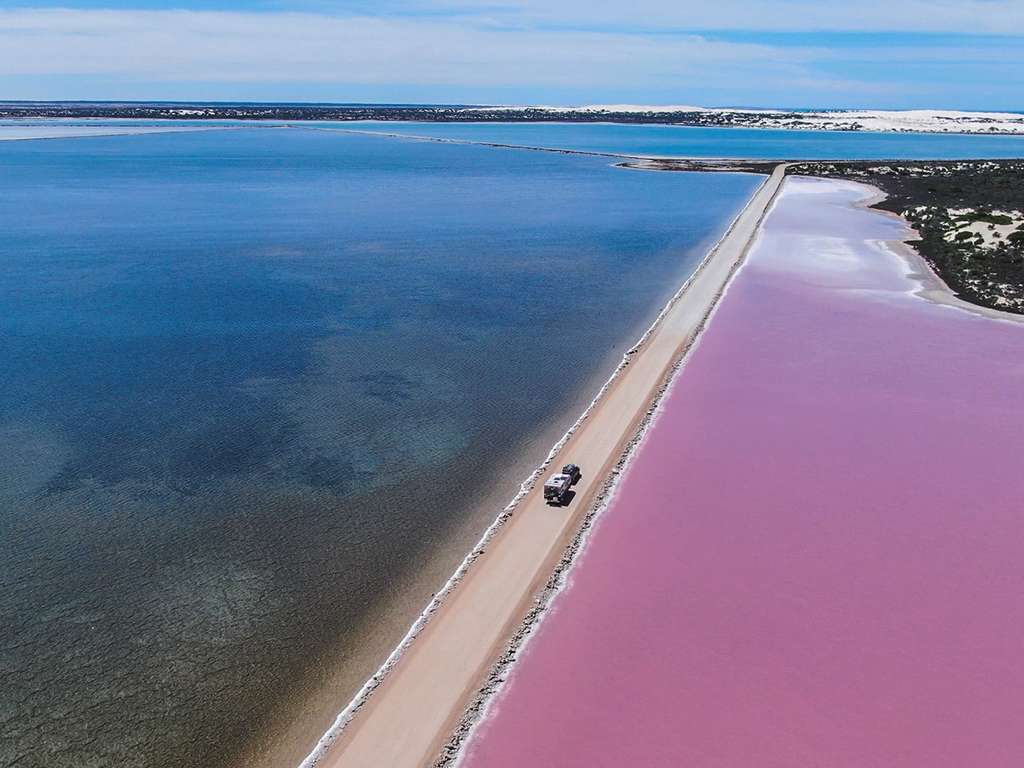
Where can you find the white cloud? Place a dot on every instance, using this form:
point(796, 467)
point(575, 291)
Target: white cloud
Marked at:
point(523, 49)
point(1001, 17)
point(283, 47)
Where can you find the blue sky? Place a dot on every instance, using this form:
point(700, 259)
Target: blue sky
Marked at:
point(956, 54)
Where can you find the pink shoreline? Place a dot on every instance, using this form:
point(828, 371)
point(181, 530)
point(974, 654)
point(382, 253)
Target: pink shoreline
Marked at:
point(814, 557)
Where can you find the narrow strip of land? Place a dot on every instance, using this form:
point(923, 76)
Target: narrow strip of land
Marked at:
point(409, 716)
point(634, 161)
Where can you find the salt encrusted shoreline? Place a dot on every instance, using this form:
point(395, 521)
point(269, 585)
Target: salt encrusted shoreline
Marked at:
point(362, 696)
point(414, 686)
point(477, 707)
point(477, 710)
point(931, 289)
point(968, 215)
point(769, 586)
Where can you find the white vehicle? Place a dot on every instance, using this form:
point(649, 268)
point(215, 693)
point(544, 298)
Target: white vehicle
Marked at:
point(557, 487)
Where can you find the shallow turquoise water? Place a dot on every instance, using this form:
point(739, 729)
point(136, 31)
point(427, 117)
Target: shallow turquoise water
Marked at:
point(252, 378)
point(669, 140)
point(654, 140)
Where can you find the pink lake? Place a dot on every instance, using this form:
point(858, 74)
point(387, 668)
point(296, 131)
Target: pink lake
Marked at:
point(816, 557)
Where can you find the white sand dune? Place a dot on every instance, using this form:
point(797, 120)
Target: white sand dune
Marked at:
point(909, 120)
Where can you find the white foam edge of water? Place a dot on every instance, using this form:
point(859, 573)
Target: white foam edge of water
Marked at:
point(562, 578)
point(363, 694)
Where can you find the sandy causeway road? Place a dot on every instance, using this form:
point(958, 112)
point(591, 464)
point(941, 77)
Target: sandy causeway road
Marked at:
point(408, 718)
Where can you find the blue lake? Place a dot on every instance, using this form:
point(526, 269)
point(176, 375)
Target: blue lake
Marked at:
point(679, 141)
point(653, 140)
point(261, 386)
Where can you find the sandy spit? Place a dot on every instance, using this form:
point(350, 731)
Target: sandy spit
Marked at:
point(436, 680)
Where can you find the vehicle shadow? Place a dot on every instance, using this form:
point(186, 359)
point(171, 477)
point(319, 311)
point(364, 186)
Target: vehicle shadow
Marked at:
point(564, 502)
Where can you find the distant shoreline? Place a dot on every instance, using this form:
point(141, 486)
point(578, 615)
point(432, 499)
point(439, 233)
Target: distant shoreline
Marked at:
point(869, 121)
